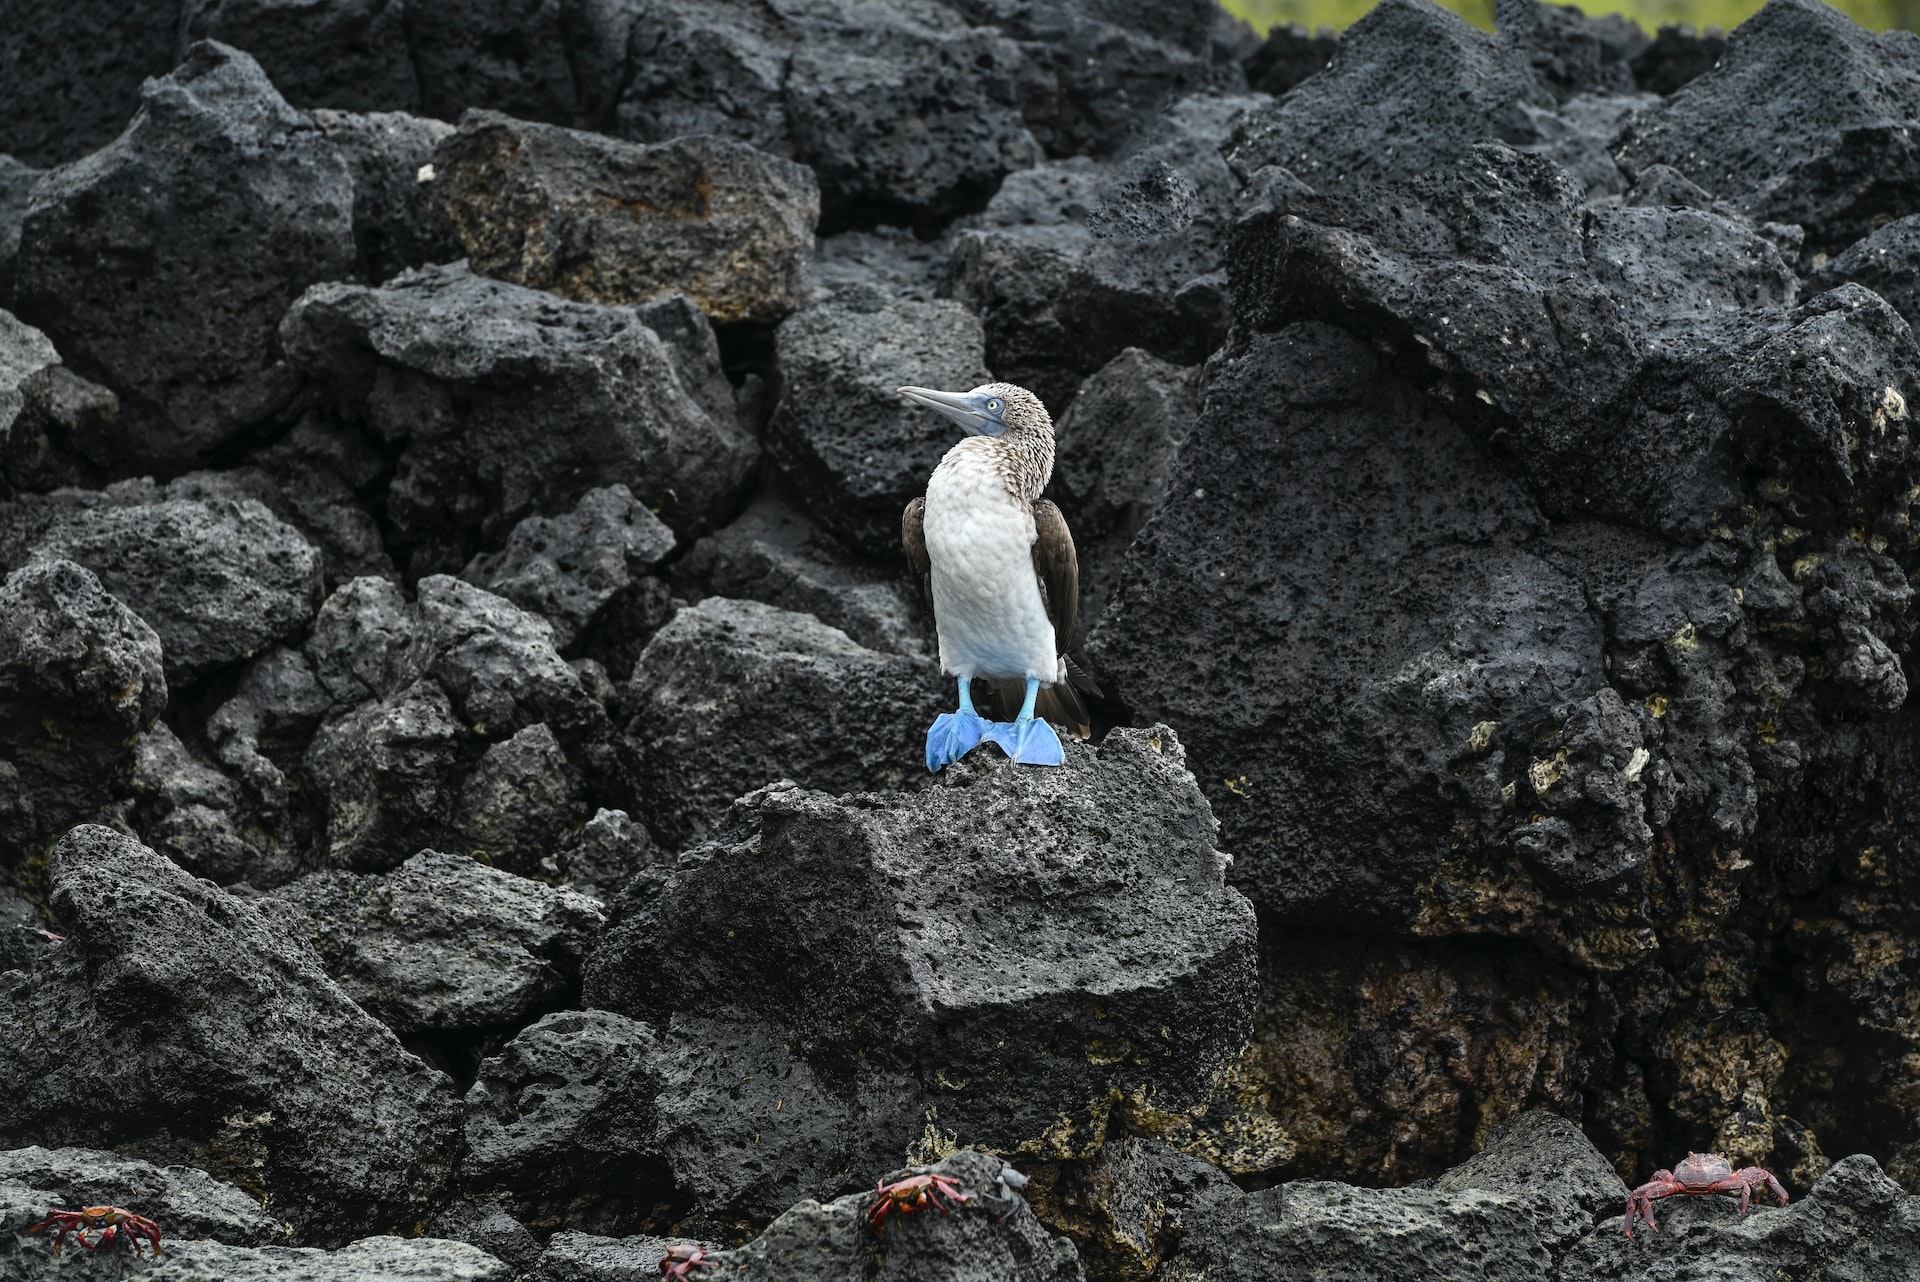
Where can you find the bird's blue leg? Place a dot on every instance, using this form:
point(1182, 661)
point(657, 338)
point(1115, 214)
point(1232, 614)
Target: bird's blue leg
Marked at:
point(955, 734)
point(1030, 741)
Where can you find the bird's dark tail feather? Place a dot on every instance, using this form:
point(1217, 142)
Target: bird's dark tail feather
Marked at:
point(1060, 704)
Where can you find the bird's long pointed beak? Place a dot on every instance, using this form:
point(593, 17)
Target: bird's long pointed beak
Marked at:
point(961, 407)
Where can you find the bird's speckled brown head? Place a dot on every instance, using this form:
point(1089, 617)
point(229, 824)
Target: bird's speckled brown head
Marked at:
point(1015, 420)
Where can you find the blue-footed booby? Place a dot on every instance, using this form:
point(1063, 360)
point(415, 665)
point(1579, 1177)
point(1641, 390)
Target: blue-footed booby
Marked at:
point(997, 563)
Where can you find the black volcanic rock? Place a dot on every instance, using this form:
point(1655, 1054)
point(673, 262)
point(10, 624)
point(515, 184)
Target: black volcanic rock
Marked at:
point(561, 62)
point(219, 579)
point(390, 155)
point(162, 263)
point(186, 1203)
point(349, 54)
point(80, 677)
point(1288, 55)
point(603, 221)
point(443, 944)
point(194, 1024)
point(505, 402)
point(852, 449)
point(1676, 56)
point(1806, 119)
point(929, 958)
point(74, 73)
point(734, 695)
point(1571, 53)
point(827, 84)
point(1886, 262)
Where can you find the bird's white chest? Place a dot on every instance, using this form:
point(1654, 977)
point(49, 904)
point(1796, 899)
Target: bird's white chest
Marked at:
point(986, 598)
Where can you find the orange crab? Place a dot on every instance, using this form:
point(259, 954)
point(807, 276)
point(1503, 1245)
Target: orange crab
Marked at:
point(115, 1225)
point(1700, 1173)
point(915, 1193)
point(679, 1261)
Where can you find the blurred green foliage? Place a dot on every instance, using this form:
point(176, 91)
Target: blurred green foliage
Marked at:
point(1651, 14)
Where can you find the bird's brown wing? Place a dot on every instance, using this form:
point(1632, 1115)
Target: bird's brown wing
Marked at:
point(913, 535)
point(1058, 568)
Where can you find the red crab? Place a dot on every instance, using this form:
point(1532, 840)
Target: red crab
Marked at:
point(915, 1193)
point(679, 1261)
point(115, 1225)
point(1700, 1173)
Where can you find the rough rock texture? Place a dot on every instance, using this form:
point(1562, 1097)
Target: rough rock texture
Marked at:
point(773, 554)
point(1676, 56)
point(220, 203)
point(829, 83)
point(350, 54)
point(444, 944)
point(733, 695)
point(602, 221)
point(573, 568)
point(74, 72)
point(218, 579)
point(390, 155)
point(854, 450)
point(903, 1011)
point(1288, 55)
point(1886, 262)
point(80, 676)
point(53, 423)
point(412, 1259)
point(1805, 119)
point(453, 725)
point(178, 1021)
point(187, 1203)
point(505, 402)
point(561, 1124)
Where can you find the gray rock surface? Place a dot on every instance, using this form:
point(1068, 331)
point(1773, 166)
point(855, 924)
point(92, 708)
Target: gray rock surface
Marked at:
point(444, 944)
point(390, 155)
point(195, 1026)
point(772, 553)
point(852, 449)
point(74, 73)
point(350, 54)
point(185, 1202)
point(603, 221)
point(827, 83)
point(178, 319)
point(505, 402)
point(80, 677)
point(861, 947)
point(571, 567)
point(733, 695)
point(219, 579)
point(1886, 262)
point(561, 1125)
point(412, 1259)
point(1805, 119)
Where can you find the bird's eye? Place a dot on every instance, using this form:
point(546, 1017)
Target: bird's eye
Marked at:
point(993, 407)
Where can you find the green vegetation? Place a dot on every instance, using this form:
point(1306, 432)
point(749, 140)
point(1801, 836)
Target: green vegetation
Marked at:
point(1651, 14)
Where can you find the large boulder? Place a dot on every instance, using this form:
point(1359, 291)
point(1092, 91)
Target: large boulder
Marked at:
point(194, 1024)
point(603, 221)
point(505, 402)
point(734, 695)
point(445, 945)
point(829, 84)
point(219, 579)
point(1805, 119)
point(851, 448)
point(169, 299)
point(80, 676)
point(998, 961)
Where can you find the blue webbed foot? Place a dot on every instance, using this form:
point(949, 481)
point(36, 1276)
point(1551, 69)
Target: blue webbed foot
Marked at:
point(953, 736)
point(1029, 741)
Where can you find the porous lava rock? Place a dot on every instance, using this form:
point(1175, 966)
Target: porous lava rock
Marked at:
point(390, 155)
point(995, 961)
point(1886, 262)
point(185, 1202)
point(192, 1025)
point(504, 402)
point(772, 553)
point(452, 724)
point(219, 203)
point(603, 221)
point(218, 579)
point(350, 54)
point(443, 944)
point(1289, 54)
point(828, 83)
point(850, 446)
point(74, 73)
point(734, 695)
point(1677, 55)
point(80, 676)
point(1805, 119)
point(53, 423)
point(569, 569)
